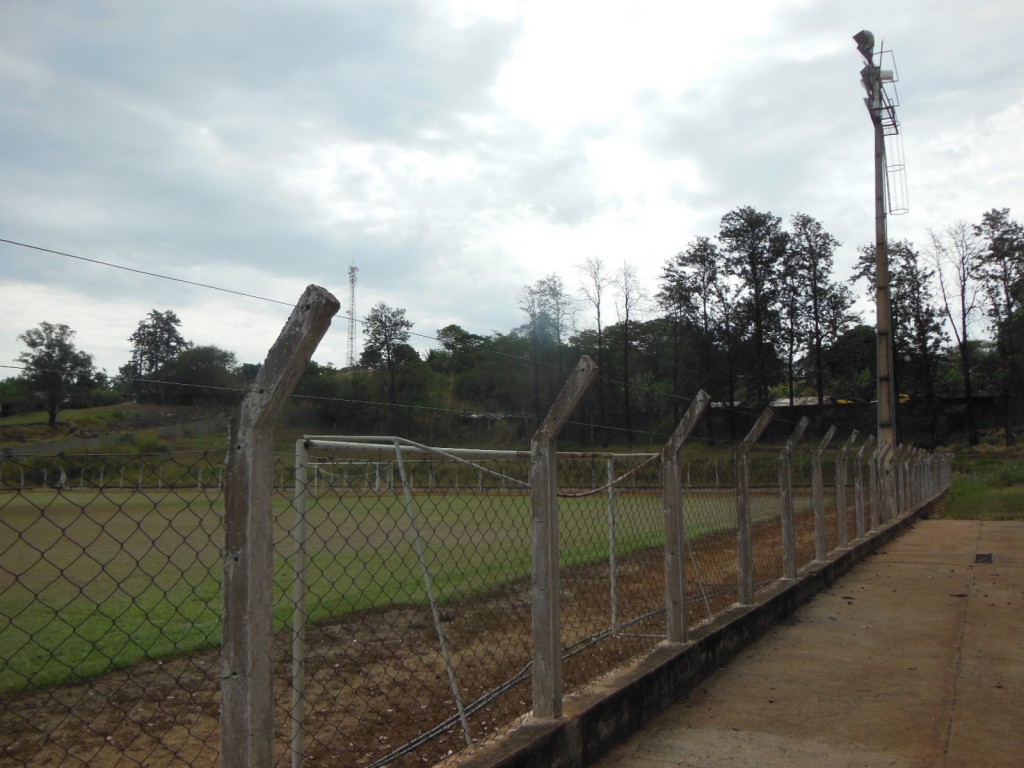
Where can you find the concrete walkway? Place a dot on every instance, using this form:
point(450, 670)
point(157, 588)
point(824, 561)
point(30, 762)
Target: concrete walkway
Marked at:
point(914, 658)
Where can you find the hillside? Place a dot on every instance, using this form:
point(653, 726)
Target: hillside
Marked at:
point(111, 427)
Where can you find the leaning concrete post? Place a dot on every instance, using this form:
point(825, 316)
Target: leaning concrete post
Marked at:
point(874, 488)
point(675, 523)
point(247, 704)
point(818, 497)
point(858, 487)
point(844, 535)
point(547, 609)
point(745, 546)
point(786, 488)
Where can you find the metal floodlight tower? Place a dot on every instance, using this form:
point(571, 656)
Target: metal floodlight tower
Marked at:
point(882, 109)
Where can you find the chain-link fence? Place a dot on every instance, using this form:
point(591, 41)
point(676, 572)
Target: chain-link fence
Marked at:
point(403, 589)
point(110, 570)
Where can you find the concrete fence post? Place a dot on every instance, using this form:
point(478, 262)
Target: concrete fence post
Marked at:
point(818, 497)
point(547, 610)
point(247, 683)
point(858, 487)
point(613, 541)
point(744, 542)
point(909, 479)
point(786, 490)
point(887, 471)
point(899, 477)
point(926, 471)
point(675, 521)
point(841, 521)
point(299, 615)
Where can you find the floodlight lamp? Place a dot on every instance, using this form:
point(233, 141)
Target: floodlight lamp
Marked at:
point(865, 44)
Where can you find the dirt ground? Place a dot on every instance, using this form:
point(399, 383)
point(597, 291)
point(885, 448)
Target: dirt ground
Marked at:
point(375, 681)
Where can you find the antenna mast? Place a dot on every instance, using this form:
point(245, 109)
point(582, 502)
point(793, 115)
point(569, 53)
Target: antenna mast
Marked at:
point(351, 361)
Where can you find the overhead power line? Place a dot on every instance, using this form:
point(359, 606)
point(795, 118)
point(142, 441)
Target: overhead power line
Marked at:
point(144, 272)
point(493, 353)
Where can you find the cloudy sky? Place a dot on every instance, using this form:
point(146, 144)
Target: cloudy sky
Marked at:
point(456, 150)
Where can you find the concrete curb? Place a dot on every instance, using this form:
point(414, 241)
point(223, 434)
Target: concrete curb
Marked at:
point(620, 704)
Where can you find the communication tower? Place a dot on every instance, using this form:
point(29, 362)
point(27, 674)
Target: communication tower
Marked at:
point(351, 359)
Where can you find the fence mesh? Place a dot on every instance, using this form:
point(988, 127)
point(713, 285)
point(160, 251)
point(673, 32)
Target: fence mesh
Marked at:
point(110, 583)
point(402, 594)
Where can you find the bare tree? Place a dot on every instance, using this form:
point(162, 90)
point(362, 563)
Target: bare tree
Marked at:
point(551, 312)
point(956, 253)
point(596, 282)
point(629, 302)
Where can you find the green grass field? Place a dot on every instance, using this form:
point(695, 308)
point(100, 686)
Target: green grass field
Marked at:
point(92, 581)
point(988, 484)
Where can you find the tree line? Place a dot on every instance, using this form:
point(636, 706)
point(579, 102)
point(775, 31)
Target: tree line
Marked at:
point(164, 367)
point(754, 314)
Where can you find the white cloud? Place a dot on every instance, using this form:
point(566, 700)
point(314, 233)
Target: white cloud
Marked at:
point(456, 152)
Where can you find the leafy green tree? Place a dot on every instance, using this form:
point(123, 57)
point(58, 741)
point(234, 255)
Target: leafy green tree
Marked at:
point(1001, 270)
point(850, 364)
point(203, 374)
point(386, 334)
point(15, 396)
point(793, 336)
point(500, 380)
point(700, 303)
point(811, 259)
point(156, 341)
point(459, 351)
point(250, 371)
point(1002, 276)
point(916, 325)
point(755, 248)
point(54, 368)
